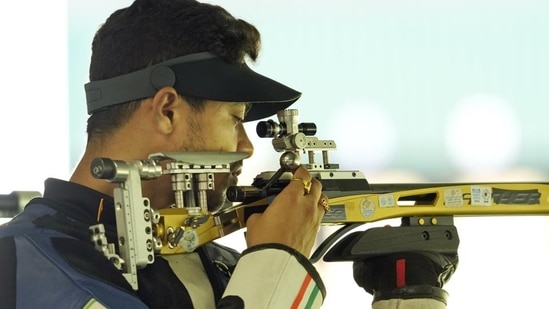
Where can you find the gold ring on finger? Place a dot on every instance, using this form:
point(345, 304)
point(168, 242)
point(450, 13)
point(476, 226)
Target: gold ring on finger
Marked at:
point(306, 184)
point(324, 203)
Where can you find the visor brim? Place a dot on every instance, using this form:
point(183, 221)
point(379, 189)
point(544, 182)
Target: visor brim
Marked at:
point(202, 75)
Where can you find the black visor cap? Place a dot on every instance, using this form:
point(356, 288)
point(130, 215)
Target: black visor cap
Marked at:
point(202, 75)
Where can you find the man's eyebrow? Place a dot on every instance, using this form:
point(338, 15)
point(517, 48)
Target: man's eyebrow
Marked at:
point(247, 106)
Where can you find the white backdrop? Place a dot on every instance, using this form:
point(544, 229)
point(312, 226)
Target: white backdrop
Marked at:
point(410, 91)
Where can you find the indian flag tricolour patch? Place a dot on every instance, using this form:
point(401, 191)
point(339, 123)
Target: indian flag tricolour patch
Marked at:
point(307, 295)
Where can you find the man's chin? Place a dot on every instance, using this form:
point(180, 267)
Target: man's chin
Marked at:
point(216, 200)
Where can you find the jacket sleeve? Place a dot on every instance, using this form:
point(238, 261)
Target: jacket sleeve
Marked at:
point(273, 276)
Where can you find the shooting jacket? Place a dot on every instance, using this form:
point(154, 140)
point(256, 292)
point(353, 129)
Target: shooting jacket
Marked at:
point(47, 260)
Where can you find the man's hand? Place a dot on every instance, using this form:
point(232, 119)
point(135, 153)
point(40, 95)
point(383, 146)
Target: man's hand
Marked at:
point(293, 218)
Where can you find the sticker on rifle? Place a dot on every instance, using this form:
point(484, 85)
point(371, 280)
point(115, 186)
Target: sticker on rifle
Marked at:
point(367, 207)
point(189, 241)
point(453, 197)
point(481, 196)
point(336, 214)
point(386, 200)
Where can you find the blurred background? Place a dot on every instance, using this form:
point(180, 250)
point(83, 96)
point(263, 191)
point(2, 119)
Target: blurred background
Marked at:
point(411, 91)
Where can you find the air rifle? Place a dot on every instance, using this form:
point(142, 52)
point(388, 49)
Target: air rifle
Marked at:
point(426, 209)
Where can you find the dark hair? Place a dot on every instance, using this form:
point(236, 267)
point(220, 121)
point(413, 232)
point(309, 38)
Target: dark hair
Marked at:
point(152, 31)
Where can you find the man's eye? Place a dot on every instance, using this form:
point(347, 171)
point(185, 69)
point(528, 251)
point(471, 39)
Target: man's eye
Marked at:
point(238, 120)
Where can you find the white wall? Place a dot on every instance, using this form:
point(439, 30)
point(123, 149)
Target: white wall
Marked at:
point(33, 125)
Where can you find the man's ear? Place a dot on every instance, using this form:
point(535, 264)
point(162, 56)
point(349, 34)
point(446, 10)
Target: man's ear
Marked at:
point(164, 107)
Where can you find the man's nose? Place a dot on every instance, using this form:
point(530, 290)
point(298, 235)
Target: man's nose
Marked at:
point(244, 143)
